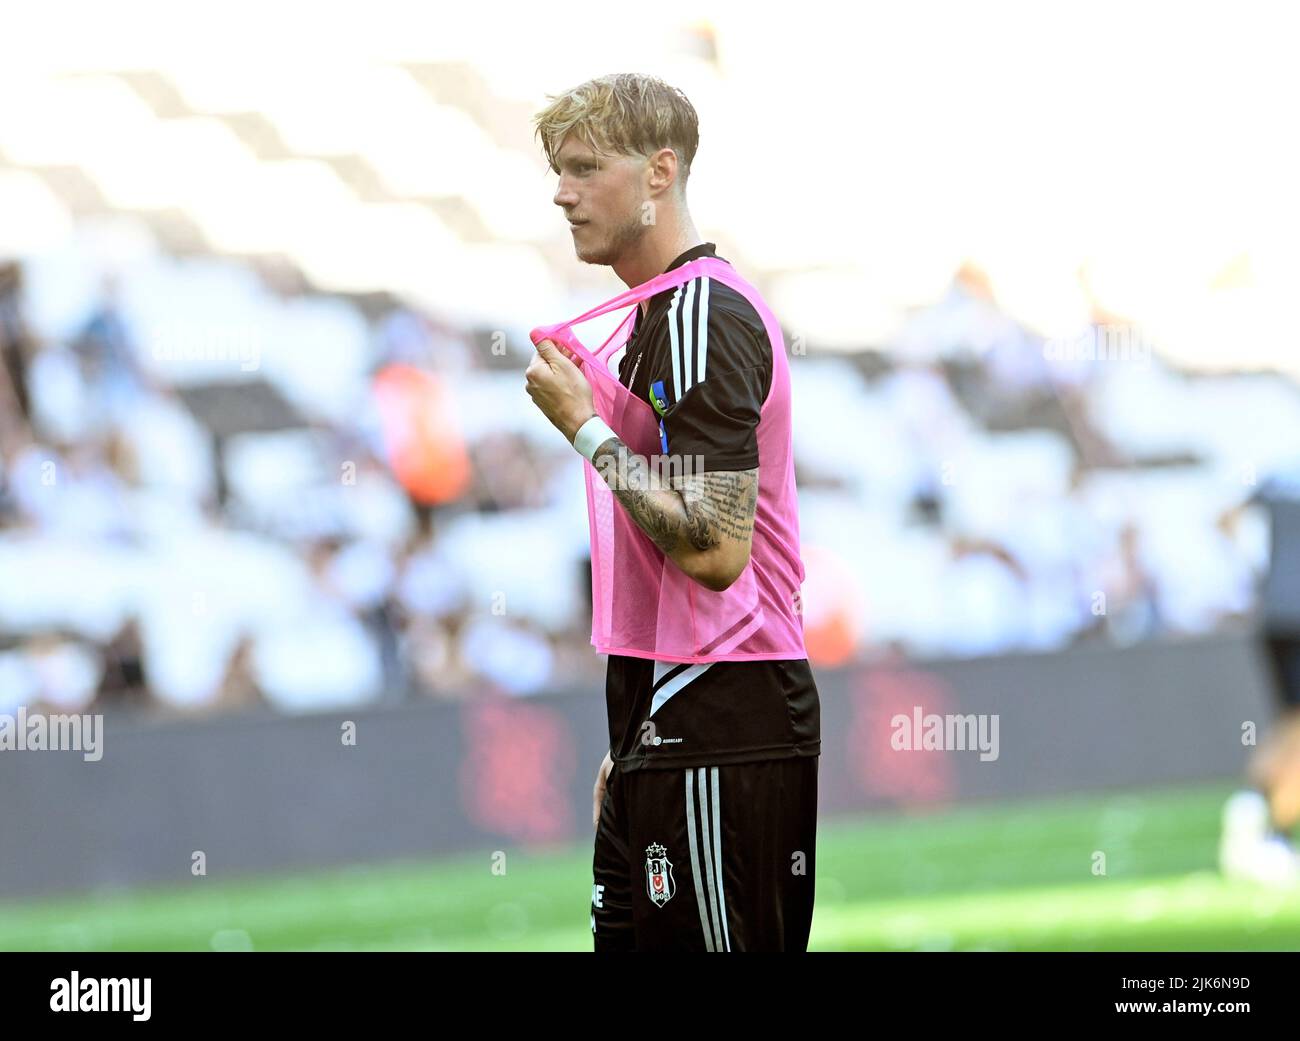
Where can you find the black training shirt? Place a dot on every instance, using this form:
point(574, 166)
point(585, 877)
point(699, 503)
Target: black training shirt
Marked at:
point(700, 353)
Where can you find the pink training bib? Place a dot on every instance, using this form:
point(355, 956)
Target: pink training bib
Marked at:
point(643, 604)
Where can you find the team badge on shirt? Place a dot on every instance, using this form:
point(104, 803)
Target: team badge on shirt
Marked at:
point(658, 396)
point(659, 882)
point(659, 399)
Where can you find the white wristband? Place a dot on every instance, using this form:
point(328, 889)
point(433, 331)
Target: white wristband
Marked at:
point(591, 435)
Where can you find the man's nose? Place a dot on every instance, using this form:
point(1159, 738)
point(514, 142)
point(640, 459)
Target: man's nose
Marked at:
point(565, 196)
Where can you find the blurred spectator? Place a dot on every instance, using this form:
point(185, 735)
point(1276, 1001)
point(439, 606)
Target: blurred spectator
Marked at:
point(1132, 602)
point(107, 356)
point(15, 342)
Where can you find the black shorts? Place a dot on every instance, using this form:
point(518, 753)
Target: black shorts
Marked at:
point(713, 858)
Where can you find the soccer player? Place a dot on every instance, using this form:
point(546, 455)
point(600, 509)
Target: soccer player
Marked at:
point(706, 833)
point(1258, 822)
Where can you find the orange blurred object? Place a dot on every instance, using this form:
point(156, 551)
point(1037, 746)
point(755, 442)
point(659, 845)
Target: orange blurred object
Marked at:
point(831, 608)
point(421, 435)
point(831, 640)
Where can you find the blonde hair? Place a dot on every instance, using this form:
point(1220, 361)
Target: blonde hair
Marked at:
point(625, 114)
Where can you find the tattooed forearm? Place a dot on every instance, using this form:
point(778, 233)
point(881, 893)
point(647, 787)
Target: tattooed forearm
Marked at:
point(687, 515)
point(720, 505)
point(656, 510)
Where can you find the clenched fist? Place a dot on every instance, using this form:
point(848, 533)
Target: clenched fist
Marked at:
point(558, 387)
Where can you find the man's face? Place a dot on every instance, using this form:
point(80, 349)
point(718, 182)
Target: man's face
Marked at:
point(601, 196)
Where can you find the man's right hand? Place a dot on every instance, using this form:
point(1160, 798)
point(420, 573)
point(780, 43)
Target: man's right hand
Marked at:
point(598, 792)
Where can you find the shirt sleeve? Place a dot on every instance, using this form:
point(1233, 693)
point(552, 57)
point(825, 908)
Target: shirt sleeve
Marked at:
point(717, 417)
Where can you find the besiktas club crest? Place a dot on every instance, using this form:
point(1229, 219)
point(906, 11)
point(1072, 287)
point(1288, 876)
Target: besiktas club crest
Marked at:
point(659, 882)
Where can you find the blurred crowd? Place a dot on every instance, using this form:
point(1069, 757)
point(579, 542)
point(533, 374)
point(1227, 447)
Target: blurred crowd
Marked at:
point(219, 488)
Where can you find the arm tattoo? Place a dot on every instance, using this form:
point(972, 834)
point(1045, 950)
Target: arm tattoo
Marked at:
point(685, 513)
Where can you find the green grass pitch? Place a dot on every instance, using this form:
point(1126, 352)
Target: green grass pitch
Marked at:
point(1006, 876)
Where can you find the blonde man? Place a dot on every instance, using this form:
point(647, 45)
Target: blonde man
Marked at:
point(705, 839)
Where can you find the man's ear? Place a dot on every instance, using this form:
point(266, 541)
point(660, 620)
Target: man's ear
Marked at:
point(663, 170)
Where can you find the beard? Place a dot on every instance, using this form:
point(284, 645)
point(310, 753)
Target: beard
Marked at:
point(619, 240)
